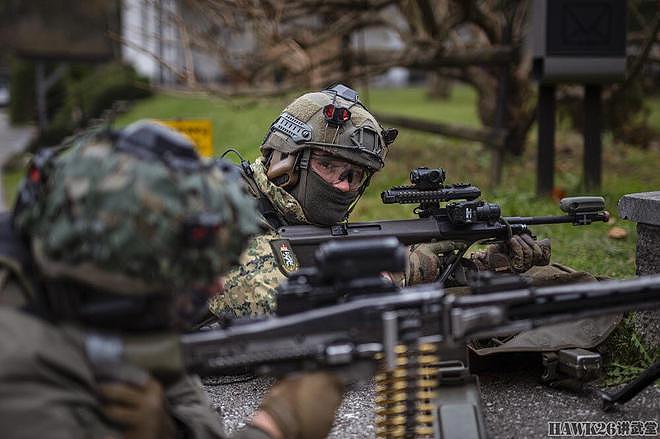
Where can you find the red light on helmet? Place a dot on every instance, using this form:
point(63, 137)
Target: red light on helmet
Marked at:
point(201, 235)
point(329, 111)
point(200, 231)
point(336, 115)
point(34, 175)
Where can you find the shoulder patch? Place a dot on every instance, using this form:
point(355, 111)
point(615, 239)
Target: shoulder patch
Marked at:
point(286, 259)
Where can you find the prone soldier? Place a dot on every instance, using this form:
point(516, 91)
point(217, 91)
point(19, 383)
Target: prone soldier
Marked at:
point(125, 234)
point(318, 158)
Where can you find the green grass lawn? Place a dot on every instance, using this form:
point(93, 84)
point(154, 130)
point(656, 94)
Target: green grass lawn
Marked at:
point(242, 123)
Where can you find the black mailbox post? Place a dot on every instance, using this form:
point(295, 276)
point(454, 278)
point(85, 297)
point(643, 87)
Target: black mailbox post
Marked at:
point(577, 41)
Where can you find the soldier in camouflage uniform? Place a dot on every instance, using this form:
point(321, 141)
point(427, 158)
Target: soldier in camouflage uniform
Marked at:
point(125, 234)
point(309, 173)
point(317, 159)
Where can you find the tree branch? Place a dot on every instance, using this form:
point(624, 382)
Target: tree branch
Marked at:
point(639, 61)
point(489, 136)
point(486, 19)
point(428, 18)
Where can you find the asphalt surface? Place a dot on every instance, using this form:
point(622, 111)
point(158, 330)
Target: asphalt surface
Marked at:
point(515, 406)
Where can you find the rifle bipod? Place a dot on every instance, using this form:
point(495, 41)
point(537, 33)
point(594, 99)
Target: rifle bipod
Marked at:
point(404, 395)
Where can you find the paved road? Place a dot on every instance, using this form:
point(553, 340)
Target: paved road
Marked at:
point(515, 405)
point(12, 141)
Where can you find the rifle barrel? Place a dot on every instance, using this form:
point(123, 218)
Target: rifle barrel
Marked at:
point(309, 339)
point(577, 219)
point(531, 220)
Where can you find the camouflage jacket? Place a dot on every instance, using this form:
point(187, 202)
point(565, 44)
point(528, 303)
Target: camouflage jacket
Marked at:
point(47, 384)
point(250, 288)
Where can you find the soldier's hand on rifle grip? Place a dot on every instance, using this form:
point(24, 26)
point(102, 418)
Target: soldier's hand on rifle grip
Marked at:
point(426, 261)
point(518, 255)
point(141, 410)
point(304, 406)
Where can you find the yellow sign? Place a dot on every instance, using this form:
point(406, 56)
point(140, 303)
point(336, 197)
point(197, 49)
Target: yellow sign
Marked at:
point(200, 131)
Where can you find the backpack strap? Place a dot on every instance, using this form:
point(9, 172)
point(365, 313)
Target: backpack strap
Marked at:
point(15, 261)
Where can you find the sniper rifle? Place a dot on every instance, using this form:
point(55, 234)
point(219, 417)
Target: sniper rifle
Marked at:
point(462, 219)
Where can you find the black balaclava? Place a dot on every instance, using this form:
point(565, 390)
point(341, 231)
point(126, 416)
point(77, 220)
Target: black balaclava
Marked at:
point(321, 203)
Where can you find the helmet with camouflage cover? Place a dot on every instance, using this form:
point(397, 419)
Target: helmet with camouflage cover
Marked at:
point(333, 120)
point(134, 213)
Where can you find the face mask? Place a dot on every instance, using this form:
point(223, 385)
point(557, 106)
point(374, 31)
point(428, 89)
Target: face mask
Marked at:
point(322, 203)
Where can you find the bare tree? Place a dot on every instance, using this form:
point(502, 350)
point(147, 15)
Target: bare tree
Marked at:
point(270, 46)
point(304, 43)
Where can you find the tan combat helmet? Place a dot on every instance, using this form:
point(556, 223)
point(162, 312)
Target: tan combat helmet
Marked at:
point(332, 120)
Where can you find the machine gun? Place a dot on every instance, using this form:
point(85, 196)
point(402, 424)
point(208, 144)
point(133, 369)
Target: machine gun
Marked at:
point(338, 317)
point(463, 218)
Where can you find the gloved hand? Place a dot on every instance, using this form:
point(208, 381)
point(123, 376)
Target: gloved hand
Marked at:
point(304, 406)
point(517, 255)
point(427, 260)
point(140, 410)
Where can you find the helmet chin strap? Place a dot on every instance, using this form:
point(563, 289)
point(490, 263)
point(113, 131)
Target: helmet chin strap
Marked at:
point(303, 163)
point(300, 188)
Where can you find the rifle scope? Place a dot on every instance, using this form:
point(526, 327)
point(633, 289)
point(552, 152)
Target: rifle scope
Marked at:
point(468, 212)
point(427, 179)
point(360, 258)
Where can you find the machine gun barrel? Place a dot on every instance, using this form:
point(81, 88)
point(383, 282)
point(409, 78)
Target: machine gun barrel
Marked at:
point(361, 329)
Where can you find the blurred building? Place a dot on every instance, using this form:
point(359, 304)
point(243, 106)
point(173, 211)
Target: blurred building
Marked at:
point(158, 40)
point(149, 42)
